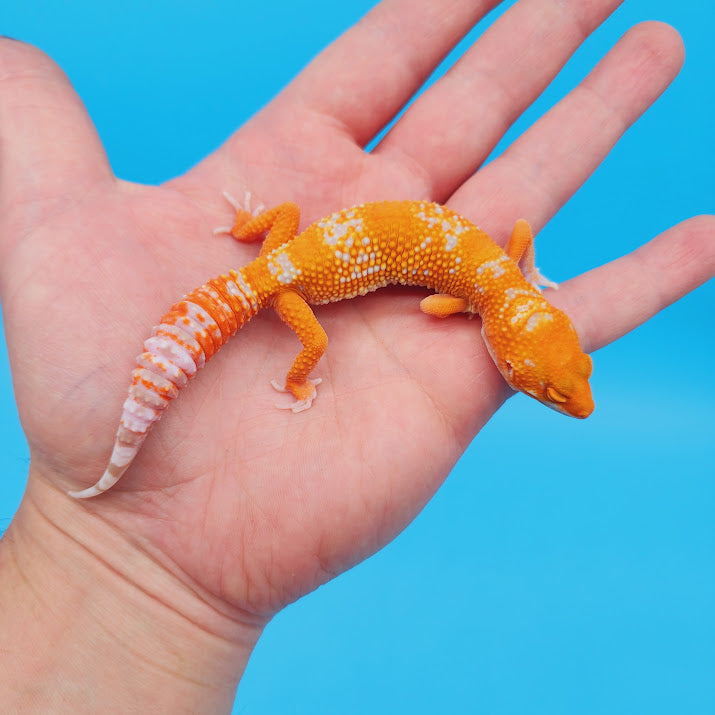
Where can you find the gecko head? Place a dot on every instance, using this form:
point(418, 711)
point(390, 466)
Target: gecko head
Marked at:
point(544, 360)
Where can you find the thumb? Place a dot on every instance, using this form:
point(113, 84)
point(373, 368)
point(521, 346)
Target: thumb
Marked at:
point(49, 148)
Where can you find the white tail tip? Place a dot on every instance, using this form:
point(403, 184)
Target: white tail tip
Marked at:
point(107, 481)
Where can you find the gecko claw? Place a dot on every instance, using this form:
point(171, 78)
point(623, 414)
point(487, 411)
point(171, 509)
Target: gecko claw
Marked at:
point(298, 405)
point(233, 201)
point(537, 279)
point(239, 208)
point(246, 205)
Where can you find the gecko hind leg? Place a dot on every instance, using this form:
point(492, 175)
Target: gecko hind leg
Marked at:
point(299, 317)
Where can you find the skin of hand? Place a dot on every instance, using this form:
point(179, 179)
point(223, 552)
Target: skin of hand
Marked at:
point(233, 508)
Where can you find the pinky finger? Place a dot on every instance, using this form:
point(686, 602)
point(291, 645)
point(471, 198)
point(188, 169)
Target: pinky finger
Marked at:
point(610, 301)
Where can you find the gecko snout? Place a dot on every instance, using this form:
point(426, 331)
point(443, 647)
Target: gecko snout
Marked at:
point(569, 391)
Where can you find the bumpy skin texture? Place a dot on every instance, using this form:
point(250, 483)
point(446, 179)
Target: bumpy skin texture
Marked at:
point(350, 253)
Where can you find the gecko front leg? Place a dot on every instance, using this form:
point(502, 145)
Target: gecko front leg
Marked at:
point(520, 248)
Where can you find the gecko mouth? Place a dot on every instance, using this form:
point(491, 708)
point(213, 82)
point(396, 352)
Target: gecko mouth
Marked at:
point(580, 406)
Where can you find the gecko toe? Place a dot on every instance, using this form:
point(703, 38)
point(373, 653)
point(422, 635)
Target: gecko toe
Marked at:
point(304, 394)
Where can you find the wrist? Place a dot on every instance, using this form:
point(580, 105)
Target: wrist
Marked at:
point(92, 620)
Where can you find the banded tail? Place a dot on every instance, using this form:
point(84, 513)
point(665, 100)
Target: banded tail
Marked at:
point(188, 335)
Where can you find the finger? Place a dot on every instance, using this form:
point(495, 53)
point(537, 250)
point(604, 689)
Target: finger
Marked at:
point(542, 169)
point(49, 146)
point(453, 127)
point(364, 78)
point(611, 300)
point(337, 104)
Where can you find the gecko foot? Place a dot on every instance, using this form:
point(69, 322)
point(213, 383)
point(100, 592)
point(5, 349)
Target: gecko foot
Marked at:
point(303, 401)
point(245, 206)
point(537, 279)
point(244, 213)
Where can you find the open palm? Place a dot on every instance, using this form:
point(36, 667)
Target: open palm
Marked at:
point(255, 504)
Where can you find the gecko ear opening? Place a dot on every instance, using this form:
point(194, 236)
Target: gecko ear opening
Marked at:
point(509, 370)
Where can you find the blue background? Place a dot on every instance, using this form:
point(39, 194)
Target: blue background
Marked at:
point(565, 566)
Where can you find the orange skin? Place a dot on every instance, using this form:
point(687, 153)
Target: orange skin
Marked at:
point(364, 248)
point(350, 253)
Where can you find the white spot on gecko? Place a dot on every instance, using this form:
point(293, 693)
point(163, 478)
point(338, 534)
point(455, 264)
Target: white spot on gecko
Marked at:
point(201, 319)
point(536, 318)
point(521, 311)
point(337, 227)
point(288, 272)
point(497, 268)
point(511, 293)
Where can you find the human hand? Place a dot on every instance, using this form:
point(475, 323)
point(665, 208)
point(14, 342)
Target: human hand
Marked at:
point(265, 489)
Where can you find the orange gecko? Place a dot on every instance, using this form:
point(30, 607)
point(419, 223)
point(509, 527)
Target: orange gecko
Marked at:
point(350, 253)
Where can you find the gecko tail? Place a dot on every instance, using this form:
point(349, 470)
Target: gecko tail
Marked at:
point(108, 480)
point(149, 395)
point(112, 474)
point(162, 370)
point(188, 335)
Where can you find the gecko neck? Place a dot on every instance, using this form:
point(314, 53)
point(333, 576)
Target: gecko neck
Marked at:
point(492, 282)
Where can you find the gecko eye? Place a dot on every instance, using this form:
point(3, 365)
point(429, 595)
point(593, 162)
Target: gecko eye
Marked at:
point(554, 395)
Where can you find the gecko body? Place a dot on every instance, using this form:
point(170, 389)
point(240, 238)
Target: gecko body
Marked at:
point(350, 253)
